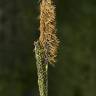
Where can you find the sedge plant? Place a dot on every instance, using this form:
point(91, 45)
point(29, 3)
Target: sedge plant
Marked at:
point(47, 44)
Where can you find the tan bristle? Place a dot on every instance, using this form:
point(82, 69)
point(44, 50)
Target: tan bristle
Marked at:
point(48, 29)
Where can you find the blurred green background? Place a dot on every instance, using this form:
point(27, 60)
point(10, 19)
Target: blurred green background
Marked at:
point(75, 70)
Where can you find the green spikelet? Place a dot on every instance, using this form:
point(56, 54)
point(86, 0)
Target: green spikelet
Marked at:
point(42, 69)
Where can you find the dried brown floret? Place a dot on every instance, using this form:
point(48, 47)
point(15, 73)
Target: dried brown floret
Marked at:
point(48, 38)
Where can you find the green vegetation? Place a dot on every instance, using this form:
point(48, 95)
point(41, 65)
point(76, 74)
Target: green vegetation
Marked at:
point(74, 72)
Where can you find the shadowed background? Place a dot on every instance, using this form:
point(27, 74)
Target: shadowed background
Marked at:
point(75, 70)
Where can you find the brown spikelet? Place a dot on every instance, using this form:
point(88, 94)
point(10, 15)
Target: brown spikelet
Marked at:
point(48, 38)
